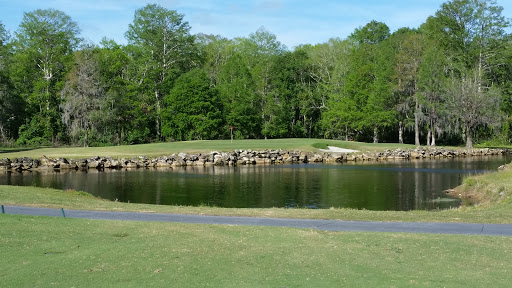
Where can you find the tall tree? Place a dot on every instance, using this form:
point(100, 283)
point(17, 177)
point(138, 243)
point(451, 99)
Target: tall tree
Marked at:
point(379, 110)
point(432, 89)
point(242, 105)
point(329, 68)
point(117, 105)
point(194, 111)
point(471, 106)
point(215, 52)
point(472, 35)
point(167, 50)
point(502, 77)
point(470, 31)
point(82, 95)
point(369, 77)
point(410, 47)
point(11, 106)
point(44, 52)
point(262, 50)
point(292, 111)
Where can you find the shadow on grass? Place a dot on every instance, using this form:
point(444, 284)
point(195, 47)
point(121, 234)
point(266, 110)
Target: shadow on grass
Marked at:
point(14, 150)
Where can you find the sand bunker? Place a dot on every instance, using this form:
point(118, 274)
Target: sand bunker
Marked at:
point(338, 150)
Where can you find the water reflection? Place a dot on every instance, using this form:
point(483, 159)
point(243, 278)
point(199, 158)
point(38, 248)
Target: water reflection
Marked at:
point(390, 185)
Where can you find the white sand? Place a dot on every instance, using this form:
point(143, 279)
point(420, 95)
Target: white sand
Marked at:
point(338, 150)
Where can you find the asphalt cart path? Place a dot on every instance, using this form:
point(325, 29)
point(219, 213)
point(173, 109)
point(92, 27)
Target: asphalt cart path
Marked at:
point(327, 225)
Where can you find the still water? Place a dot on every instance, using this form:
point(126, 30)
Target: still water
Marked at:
point(390, 185)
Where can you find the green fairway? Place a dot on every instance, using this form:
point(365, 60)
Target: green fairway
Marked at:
point(62, 252)
point(160, 149)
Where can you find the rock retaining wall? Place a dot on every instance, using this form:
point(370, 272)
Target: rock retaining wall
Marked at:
point(237, 157)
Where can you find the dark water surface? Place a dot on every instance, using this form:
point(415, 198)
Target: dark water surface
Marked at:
point(390, 185)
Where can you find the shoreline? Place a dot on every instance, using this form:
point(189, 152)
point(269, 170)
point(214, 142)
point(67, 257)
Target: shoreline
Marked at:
point(241, 157)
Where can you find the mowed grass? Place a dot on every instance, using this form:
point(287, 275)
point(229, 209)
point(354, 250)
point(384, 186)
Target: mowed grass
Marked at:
point(207, 146)
point(64, 252)
point(51, 198)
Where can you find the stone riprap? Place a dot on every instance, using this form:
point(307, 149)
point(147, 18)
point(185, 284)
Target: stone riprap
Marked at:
point(238, 157)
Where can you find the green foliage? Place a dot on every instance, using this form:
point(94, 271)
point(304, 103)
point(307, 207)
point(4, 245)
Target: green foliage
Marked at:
point(237, 92)
point(473, 106)
point(368, 86)
point(35, 133)
point(118, 104)
point(165, 49)
point(331, 64)
point(470, 31)
point(215, 51)
point(82, 96)
point(193, 109)
point(368, 82)
point(290, 108)
point(46, 37)
point(372, 33)
point(11, 104)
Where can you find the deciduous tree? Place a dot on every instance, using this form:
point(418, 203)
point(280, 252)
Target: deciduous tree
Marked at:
point(242, 105)
point(410, 47)
point(471, 106)
point(82, 95)
point(166, 50)
point(194, 110)
point(11, 106)
point(43, 54)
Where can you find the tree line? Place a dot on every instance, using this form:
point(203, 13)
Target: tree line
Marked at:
point(448, 81)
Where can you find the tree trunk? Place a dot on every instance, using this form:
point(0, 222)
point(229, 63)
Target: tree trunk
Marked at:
point(375, 135)
point(119, 135)
point(429, 134)
point(86, 139)
point(469, 140)
point(158, 108)
point(2, 134)
point(417, 123)
point(400, 132)
point(433, 143)
point(433, 128)
point(346, 132)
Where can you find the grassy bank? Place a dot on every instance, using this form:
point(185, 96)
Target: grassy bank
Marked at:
point(160, 149)
point(42, 197)
point(487, 190)
point(63, 252)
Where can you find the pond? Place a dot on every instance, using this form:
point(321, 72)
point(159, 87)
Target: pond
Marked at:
point(389, 185)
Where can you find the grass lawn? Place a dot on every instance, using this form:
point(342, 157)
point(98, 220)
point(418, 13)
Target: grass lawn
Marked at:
point(160, 149)
point(64, 252)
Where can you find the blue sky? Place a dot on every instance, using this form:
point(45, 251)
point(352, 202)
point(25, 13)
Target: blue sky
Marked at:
point(293, 22)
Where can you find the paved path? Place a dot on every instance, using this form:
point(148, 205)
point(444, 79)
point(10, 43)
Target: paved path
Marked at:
point(327, 225)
